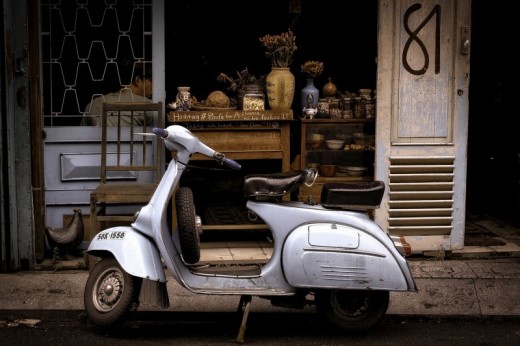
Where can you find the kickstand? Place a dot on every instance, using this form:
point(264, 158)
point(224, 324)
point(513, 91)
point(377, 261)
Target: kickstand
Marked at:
point(244, 305)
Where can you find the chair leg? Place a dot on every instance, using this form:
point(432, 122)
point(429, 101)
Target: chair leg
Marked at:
point(93, 218)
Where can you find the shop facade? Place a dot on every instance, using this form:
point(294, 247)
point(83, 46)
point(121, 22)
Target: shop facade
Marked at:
point(417, 56)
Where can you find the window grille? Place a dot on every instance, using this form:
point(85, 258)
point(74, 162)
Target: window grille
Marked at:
point(89, 48)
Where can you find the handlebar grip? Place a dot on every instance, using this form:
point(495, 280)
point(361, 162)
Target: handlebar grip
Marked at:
point(160, 132)
point(232, 164)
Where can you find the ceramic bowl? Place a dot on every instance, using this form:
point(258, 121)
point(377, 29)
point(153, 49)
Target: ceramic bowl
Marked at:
point(344, 137)
point(328, 170)
point(335, 144)
point(364, 139)
point(356, 171)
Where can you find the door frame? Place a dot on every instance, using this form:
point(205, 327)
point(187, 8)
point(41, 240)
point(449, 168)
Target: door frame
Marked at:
point(425, 225)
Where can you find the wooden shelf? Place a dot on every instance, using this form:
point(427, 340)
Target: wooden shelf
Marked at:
point(330, 128)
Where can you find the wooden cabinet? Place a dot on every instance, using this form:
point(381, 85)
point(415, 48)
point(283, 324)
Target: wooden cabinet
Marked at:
point(355, 152)
point(240, 135)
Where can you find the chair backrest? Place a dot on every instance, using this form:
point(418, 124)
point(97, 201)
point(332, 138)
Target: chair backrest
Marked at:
point(125, 153)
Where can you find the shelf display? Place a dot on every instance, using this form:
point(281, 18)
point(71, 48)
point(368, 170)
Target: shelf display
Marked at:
point(341, 149)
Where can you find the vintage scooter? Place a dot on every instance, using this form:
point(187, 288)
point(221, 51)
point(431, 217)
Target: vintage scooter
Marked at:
point(330, 255)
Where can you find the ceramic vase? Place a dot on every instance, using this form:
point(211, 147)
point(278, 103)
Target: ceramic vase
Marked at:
point(280, 88)
point(330, 89)
point(314, 93)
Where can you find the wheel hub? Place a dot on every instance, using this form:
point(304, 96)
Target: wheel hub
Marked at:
point(111, 289)
point(351, 304)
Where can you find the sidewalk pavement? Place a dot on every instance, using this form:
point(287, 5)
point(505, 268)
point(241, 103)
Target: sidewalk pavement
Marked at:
point(481, 280)
point(459, 287)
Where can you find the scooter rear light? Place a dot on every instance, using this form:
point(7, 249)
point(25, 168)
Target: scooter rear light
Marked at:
point(401, 245)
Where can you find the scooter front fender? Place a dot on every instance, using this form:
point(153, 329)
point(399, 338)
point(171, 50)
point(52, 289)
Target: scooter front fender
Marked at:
point(136, 254)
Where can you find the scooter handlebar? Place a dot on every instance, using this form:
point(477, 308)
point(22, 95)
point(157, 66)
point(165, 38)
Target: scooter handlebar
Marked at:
point(232, 164)
point(160, 132)
point(219, 157)
point(223, 160)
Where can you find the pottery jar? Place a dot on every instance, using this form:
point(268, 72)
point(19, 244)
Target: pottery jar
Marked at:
point(330, 89)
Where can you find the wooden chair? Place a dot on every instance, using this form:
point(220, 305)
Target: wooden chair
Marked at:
point(131, 164)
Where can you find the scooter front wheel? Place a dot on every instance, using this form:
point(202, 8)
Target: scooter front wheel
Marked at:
point(110, 293)
point(352, 310)
point(186, 222)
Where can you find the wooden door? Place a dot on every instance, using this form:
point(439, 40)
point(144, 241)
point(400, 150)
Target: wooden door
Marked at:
point(422, 120)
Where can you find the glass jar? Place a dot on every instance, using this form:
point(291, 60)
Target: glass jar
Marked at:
point(323, 108)
point(334, 108)
point(249, 89)
point(253, 102)
point(370, 108)
point(359, 107)
point(346, 108)
point(365, 93)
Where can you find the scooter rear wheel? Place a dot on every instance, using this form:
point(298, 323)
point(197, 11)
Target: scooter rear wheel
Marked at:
point(352, 310)
point(186, 222)
point(110, 293)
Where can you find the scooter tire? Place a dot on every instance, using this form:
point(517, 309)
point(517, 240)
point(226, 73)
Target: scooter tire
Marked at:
point(186, 223)
point(111, 294)
point(353, 311)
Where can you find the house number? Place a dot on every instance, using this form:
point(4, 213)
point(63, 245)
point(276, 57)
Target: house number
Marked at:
point(414, 38)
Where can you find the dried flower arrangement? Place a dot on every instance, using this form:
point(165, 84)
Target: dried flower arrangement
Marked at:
point(312, 68)
point(243, 80)
point(241, 85)
point(280, 48)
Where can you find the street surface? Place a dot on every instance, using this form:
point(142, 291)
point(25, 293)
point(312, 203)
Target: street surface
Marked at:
point(63, 327)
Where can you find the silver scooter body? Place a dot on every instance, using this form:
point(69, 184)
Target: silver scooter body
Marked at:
point(314, 247)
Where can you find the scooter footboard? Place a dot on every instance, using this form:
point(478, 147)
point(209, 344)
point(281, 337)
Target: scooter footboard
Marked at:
point(325, 255)
point(136, 254)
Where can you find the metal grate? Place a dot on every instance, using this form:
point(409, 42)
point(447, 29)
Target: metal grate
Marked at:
point(421, 195)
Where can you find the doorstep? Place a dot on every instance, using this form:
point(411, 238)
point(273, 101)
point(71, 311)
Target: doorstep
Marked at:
point(507, 250)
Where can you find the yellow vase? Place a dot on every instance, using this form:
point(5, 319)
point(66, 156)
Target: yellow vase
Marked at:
point(280, 88)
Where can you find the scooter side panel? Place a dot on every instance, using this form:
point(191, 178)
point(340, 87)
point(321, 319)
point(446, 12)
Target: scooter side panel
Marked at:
point(135, 253)
point(326, 255)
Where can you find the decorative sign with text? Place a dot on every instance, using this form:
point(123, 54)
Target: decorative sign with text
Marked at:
point(229, 116)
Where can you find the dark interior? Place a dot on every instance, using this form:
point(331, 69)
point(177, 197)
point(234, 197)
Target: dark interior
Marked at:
point(344, 37)
point(493, 184)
